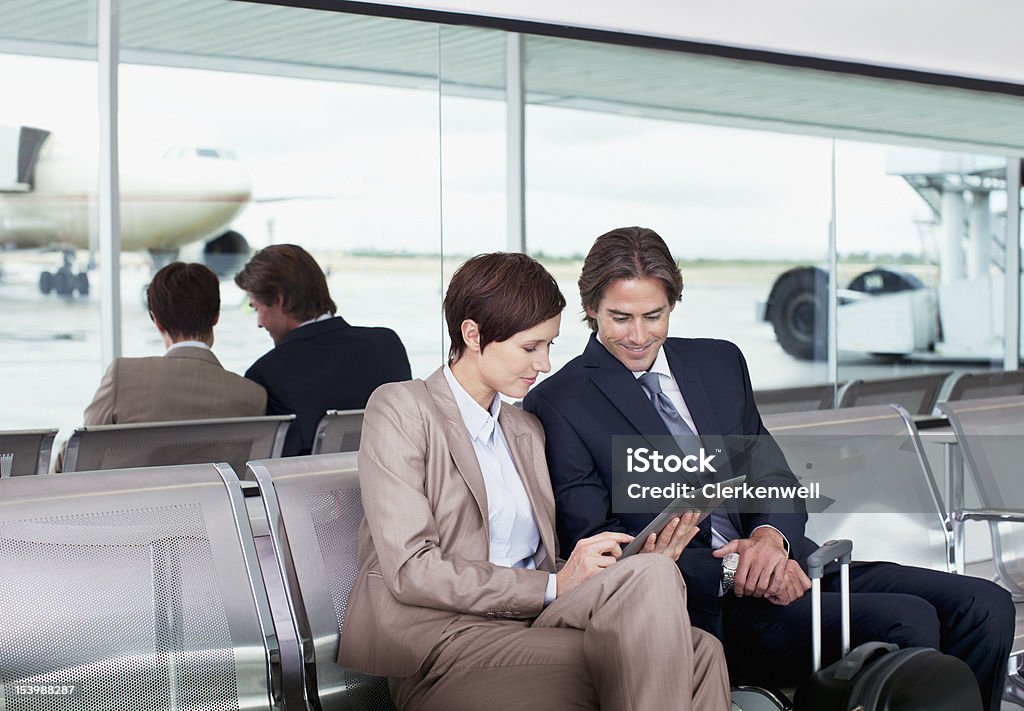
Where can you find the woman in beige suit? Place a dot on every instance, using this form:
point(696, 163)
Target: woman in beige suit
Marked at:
point(461, 597)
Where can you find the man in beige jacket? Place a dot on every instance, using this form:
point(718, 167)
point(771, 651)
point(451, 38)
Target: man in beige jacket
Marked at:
point(187, 382)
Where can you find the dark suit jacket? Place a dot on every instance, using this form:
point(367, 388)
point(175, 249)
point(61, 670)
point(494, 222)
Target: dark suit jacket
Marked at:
point(327, 365)
point(594, 397)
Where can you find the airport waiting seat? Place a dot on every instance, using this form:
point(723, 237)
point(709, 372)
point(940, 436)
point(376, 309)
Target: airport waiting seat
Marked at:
point(233, 440)
point(869, 460)
point(314, 510)
point(994, 383)
point(132, 589)
point(915, 393)
point(801, 399)
point(24, 452)
point(338, 431)
point(989, 433)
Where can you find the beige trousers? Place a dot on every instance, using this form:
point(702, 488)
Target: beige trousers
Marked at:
point(621, 641)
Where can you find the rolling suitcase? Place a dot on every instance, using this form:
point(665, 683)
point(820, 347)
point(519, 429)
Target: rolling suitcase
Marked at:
point(877, 676)
point(756, 698)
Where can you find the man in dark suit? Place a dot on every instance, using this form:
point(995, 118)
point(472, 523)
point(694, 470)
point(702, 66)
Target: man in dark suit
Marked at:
point(319, 361)
point(634, 380)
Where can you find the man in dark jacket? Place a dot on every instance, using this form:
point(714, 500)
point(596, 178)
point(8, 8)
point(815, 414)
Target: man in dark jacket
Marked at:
point(319, 361)
point(633, 380)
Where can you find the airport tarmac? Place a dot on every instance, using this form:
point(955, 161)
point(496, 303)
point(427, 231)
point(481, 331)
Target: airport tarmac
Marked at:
point(50, 364)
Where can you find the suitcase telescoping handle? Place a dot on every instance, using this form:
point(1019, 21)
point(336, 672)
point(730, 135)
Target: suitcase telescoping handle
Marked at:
point(841, 550)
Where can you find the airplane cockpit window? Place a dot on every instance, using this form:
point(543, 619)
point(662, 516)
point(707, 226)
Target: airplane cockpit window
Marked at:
point(198, 152)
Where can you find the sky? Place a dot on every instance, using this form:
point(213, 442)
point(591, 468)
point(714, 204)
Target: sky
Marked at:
point(373, 167)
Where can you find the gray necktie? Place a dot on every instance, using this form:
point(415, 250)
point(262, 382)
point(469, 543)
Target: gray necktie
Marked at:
point(689, 443)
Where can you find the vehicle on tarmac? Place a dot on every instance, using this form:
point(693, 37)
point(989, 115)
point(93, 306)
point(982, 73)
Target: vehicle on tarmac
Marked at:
point(888, 311)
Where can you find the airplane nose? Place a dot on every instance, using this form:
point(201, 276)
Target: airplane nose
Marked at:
point(176, 201)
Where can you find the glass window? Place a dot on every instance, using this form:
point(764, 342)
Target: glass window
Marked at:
point(737, 208)
point(920, 235)
point(50, 341)
point(473, 149)
point(342, 163)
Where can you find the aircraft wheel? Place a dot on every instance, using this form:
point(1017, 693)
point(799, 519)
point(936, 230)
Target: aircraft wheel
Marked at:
point(799, 313)
point(82, 283)
point(46, 282)
point(64, 282)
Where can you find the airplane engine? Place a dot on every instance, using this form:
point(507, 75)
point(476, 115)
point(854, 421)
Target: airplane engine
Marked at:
point(226, 254)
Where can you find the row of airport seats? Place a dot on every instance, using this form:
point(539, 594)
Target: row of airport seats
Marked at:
point(918, 394)
point(235, 441)
point(883, 495)
point(183, 587)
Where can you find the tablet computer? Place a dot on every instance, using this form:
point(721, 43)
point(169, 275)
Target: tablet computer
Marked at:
point(696, 501)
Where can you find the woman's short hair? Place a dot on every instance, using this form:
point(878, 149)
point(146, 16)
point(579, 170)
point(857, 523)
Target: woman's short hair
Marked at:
point(504, 292)
point(627, 253)
point(185, 300)
point(288, 271)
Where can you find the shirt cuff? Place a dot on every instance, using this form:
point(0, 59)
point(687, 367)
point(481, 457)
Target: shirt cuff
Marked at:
point(785, 541)
point(552, 590)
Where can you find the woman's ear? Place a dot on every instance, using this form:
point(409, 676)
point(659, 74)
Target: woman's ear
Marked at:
point(471, 335)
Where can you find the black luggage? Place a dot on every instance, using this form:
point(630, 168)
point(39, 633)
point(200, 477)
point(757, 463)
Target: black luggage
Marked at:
point(877, 676)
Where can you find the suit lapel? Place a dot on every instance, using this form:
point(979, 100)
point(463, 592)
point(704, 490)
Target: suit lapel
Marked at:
point(622, 390)
point(699, 404)
point(538, 490)
point(694, 394)
point(459, 443)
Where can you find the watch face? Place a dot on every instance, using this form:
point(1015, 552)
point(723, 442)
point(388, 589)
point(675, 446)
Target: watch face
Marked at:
point(731, 562)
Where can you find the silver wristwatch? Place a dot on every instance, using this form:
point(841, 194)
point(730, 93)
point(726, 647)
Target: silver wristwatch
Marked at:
point(729, 565)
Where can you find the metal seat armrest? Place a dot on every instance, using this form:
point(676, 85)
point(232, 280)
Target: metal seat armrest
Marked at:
point(1011, 515)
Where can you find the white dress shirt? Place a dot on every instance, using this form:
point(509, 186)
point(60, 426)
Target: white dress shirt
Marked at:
point(187, 344)
point(321, 317)
point(514, 536)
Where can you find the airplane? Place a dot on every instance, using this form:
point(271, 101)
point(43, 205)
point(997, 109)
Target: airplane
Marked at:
point(172, 194)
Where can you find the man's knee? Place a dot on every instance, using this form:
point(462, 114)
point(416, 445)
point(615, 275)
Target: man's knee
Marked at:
point(990, 606)
point(910, 621)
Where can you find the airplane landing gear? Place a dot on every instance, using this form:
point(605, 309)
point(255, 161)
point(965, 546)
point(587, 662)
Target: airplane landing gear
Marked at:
point(65, 281)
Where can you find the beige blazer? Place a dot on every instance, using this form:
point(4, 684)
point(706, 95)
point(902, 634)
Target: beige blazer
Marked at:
point(184, 384)
point(423, 546)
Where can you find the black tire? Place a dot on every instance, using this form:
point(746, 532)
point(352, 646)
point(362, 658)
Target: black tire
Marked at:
point(798, 310)
point(82, 283)
point(64, 282)
point(46, 282)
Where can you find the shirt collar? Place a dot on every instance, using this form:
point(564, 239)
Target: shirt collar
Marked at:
point(478, 421)
point(187, 344)
point(321, 317)
point(660, 366)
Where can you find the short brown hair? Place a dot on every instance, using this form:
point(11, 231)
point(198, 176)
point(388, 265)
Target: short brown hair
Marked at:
point(185, 300)
point(504, 292)
point(627, 253)
point(288, 271)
